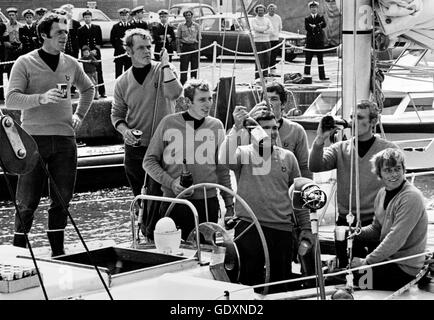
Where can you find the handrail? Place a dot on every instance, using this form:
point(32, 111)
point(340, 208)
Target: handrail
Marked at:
point(172, 200)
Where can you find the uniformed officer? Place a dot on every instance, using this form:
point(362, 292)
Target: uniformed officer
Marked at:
point(90, 35)
point(116, 35)
point(139, 21)
point(13, 46)
point(158, 32)
point(314, 25)
point(39, 13)
point(27, 33)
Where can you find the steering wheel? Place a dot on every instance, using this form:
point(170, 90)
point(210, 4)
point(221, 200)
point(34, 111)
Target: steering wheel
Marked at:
point(209, 229)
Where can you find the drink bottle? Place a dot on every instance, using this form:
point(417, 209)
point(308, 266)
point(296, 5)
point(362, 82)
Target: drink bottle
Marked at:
point(186, 179)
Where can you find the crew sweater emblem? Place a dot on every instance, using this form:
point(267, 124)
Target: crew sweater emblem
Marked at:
point(283, 169)
point(67, 77)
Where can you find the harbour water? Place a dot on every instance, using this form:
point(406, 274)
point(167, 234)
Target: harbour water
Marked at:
point(104, 215)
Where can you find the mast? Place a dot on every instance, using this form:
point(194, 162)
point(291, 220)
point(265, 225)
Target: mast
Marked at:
point(357, 30)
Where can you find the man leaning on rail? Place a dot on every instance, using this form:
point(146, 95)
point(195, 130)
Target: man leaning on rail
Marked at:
point(47, 115)
point(400, 224)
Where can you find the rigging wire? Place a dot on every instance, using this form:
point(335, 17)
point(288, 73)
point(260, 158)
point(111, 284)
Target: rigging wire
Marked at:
point(14, 200)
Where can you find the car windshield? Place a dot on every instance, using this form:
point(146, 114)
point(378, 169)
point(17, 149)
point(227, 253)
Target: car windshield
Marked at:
point(96, 16)
point(219, 24)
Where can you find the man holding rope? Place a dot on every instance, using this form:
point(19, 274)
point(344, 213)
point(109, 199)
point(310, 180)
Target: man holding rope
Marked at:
point(47, 116)
point(143, 95)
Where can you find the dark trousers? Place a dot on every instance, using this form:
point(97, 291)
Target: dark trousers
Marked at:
point(319, 55)
point(360, 248)
point(252, 256)
point(136, 177)
point(60, 156)
point(183, 216)
point(101, 88)
point(121, 65)
point(191, 58)
point(385, 277)
point(264, 58)
point(274, 53)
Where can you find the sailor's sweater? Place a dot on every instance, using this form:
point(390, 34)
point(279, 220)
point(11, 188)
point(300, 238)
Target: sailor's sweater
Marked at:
point(338, 156)
point(401, 228)
point(31, 77)
point(175, 140)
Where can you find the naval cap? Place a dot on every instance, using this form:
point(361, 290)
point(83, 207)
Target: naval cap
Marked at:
point(11, 9)
point(313, 4)
point(123, 10)
point(137, 9)
point(41, 10)
point(86, 13)
point(28, 11)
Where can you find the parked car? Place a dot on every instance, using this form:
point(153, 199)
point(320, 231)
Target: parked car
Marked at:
point(231, 26)
point(199, 10)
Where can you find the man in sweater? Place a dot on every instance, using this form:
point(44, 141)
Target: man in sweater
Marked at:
point(195, 137)
point(135, 104)
point(276, 21)
point(265, 173)
point(262, 28)
point(400, 224)
point(292, 135)
point(338, 156)
point(48, 117)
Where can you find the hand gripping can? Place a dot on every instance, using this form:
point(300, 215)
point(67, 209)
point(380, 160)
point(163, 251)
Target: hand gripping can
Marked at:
point(137, 134)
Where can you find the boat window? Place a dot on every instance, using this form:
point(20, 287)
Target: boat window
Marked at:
point(390, 105)
point(322, 105)
point(409, 58)
point(421, 104)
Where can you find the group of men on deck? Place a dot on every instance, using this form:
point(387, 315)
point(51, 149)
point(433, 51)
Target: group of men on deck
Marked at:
point(393, 216)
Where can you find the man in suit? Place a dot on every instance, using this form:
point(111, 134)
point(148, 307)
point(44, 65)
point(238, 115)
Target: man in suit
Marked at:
point(314, 24)
point(39, 13)
point(139, 21)
point(27, 33)
point(116, 35)
point(158, 33)
point(90, 35)
point(72, 46)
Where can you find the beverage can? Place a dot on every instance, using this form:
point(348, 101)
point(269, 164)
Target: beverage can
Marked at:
point(138, 135)
point(63, 87)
